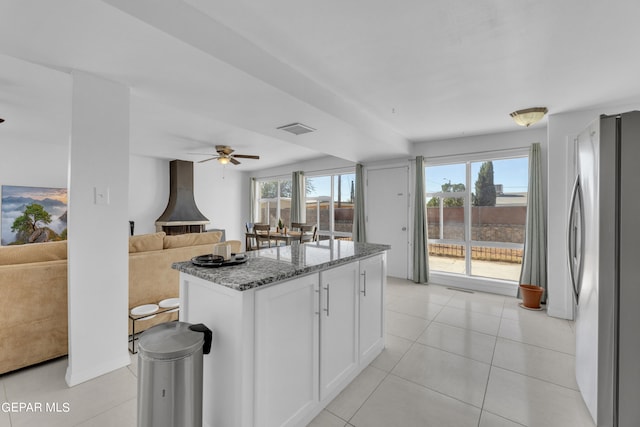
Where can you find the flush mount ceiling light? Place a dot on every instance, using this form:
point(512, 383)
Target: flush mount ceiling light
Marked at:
point(297, 128)
point(529, 116)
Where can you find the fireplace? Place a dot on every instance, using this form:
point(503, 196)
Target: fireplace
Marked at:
point(181, 215)
point(172, 230)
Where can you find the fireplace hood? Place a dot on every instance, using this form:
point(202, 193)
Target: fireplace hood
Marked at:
point(181, 210)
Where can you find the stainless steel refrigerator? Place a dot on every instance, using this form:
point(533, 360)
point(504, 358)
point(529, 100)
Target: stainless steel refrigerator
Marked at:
point(604, 263)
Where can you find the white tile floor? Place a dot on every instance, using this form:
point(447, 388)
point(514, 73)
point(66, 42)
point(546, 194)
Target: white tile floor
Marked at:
point(452, 359)
point(464, 359)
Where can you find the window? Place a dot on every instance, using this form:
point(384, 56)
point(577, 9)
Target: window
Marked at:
point(274, 201)
point(329, 203)
point(476, 213)
point(329, 200)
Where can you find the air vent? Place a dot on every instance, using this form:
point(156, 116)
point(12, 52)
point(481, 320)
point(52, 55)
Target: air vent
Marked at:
point(297, 128)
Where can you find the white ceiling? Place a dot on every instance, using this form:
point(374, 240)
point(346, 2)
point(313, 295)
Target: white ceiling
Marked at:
point(372, 76)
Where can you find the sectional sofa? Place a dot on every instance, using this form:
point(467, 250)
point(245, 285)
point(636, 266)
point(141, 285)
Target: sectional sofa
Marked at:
point(33, 290)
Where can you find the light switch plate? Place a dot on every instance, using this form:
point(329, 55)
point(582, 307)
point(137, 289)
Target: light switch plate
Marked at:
point(101, 195)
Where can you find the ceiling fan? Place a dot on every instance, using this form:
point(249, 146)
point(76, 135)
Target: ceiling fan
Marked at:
point(225, 156)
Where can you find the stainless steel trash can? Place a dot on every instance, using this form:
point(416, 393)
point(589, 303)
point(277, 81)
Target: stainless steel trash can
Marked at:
point(170, 374)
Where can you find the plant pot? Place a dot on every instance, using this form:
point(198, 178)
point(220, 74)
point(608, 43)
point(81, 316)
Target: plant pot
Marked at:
point(531, 295)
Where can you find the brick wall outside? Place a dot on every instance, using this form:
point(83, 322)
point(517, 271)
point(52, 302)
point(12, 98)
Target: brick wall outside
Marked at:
point(504, 224)
point(343, 217)
point(477, 252)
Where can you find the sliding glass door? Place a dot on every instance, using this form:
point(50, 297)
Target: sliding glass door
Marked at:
point(476, 212)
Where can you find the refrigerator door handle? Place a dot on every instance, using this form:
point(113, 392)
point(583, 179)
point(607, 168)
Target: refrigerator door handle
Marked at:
point(571, 237)
point(582, 230)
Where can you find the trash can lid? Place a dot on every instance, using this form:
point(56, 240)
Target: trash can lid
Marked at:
point(171, 340)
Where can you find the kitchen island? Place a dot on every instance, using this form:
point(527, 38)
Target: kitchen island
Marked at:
point(293, 326)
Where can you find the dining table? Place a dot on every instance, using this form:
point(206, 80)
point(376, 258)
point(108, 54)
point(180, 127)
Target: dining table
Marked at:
point(287, 238)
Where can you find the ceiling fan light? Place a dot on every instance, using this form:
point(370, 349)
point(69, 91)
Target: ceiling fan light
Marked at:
point(529, 116)
point(223, 160)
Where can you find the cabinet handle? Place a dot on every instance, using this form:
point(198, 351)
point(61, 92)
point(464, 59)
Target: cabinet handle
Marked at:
point(364, 291)
point(327, 309)
point(318, 303)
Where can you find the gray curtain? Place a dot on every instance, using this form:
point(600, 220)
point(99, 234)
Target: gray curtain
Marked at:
point(534, 262)
point(252, 200)
point(298, 197)
point(359, 231)
point(420, 252)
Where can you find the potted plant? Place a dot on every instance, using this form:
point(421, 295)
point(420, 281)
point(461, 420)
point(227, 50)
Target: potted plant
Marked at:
point(531, 296)
point(280, 227)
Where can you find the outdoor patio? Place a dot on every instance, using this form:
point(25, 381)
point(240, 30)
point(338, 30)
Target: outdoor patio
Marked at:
point(492, 269)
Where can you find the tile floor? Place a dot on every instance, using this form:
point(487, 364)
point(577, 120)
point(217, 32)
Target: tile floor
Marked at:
point(452, 359)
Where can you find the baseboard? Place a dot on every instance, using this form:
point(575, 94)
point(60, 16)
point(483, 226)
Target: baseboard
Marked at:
point(75, 377)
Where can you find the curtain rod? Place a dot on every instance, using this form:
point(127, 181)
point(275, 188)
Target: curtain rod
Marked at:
point(345, 169)
point(513, 150)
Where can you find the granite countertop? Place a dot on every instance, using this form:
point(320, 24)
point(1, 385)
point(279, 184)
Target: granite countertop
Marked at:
point(283, 262)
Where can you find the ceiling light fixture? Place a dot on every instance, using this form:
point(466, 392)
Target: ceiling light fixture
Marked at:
point(297, 128)
point(529, 116)
point(223, 160)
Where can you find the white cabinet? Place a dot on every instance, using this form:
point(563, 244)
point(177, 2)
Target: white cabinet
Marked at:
point(372, 279)
point(338, 326)
point(286, 352)
point(282, 352)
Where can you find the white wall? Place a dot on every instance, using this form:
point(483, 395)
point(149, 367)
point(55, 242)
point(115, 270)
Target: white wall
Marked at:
point(218, 193)
point(32, 153)
point(148, 191)
point(34, 164)
point(98, 270)
point(521, 138)
point(321, 164)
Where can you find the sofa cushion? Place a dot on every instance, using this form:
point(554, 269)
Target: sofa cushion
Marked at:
point(146, 242)
point(33, 252)
point(192, 239)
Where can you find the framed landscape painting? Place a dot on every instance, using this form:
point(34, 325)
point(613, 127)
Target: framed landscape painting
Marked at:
point(33, 214)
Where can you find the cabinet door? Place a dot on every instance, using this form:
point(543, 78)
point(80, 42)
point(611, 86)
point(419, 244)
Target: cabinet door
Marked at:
point(338, 326)
point(286, 351)
point(372, 279)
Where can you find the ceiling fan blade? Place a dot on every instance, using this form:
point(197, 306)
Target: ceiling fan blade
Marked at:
point(246, 156)
point(234, 161)
point(206, 160)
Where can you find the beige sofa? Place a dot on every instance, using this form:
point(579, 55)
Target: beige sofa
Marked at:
point(151, 278)
point(33, 290)
point(33, 304)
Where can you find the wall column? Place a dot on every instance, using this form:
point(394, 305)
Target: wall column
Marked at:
point(98, 228)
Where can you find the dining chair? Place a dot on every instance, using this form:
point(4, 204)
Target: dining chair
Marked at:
point(307, 231)
point(249, 241)
point(262, 235)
